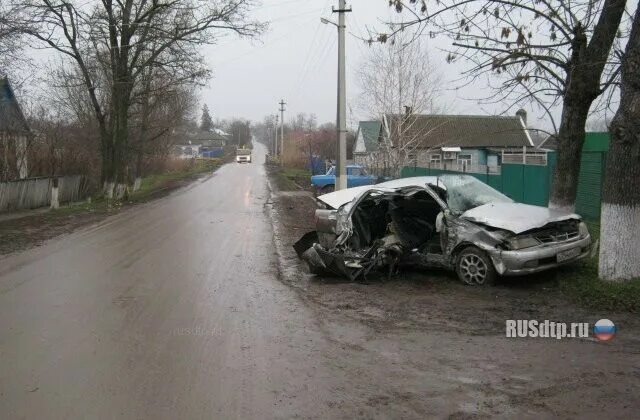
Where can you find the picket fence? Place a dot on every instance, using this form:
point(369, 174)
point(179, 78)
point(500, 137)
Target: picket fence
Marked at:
point(31, 193)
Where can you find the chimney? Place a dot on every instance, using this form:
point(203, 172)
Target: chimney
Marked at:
point(523, 115)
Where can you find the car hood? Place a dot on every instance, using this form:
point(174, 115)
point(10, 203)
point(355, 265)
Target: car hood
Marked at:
point(516, 217)
point(339, 198)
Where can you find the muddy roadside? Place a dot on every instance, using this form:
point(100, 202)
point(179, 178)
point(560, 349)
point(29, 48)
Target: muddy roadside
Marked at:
point(438, 347)
point(28, 229)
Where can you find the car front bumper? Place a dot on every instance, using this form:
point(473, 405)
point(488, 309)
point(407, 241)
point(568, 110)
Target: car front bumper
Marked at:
point(540, 258)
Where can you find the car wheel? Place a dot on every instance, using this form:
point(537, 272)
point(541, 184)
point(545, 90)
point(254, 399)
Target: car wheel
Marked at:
point(327, 189)
point(474, 267)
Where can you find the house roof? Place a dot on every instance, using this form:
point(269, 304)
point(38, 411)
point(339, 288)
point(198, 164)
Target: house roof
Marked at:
point(11, 117)
point(370, 131)
point(550, 142)
point(595, 141)
point(209, 136)
point(207, 139)
point(461, 130)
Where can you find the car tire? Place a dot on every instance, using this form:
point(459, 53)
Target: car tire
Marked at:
point(474, 267)
point(327, 189)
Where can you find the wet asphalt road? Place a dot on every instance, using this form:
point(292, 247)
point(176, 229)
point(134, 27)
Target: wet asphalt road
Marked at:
point(169, 310)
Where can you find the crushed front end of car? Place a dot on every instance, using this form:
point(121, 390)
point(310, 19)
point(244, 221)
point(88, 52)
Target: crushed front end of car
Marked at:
point(376, 232)
point(540, 249)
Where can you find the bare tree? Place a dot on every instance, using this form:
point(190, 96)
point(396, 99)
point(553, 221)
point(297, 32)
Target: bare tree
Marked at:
point(11, 41)
point(240, 132)
point(392, 77)
point(303, 121)
point(620, 220)
point(403, 143)
point(396, 81)
point(124, 38)
point(164, 104)
point(533, 50)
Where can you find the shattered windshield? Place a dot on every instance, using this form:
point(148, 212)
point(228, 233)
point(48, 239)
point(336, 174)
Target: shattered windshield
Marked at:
point(465, 192)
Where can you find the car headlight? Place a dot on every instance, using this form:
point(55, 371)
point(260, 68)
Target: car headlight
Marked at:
point(524, 242)
point(583, 229)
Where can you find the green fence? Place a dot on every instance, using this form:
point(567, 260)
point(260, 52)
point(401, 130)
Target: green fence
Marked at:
point(589, 197)
point(528, 184)
point(591, 178)
point(532, 184)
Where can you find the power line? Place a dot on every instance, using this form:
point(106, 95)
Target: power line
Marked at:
point(321, 53)
point(306, 60)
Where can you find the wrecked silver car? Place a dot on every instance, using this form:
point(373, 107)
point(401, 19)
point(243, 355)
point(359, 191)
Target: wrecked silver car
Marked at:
point(454, 222)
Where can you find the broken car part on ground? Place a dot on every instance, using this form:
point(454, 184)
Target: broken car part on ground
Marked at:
point(454, 222)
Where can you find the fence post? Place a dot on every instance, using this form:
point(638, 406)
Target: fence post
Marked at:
point(55, 203)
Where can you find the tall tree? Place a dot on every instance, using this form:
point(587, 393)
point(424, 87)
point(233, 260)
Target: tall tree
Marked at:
point(540, 51)
point(10, 40)
point(620, 216)
point(206, 122)
point(240, 132)
point(401, 74)
point(123, 38)
point(396, 82)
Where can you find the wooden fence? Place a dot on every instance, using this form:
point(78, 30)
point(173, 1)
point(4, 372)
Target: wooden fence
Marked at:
point(32, 193)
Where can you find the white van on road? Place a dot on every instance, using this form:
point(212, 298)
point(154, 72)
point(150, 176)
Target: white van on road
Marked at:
point(243, 156)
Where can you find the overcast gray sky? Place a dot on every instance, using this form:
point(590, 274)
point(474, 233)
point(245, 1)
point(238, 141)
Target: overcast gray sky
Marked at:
point(297, 60)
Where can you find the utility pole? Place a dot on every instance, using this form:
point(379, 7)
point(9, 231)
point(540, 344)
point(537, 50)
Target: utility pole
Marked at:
point(275, 137)
point(341, 120)
point(282, 104)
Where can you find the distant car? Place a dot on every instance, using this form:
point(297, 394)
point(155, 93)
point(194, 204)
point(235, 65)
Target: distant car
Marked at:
point(243, 156)
point(452, 221)
point(356, 176)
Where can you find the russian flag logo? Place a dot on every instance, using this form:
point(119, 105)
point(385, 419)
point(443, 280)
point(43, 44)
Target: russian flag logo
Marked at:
point(604, 330)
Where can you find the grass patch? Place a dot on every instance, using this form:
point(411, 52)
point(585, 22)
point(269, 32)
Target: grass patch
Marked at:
point(296, 178)
point(156, 183)
point(290, 179)
point(583, 286)
point(293, 173)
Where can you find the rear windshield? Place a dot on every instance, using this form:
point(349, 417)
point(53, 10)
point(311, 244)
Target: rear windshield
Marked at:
point(243, 152)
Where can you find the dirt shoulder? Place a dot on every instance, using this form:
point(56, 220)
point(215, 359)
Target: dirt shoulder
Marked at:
point(28, 229)
point(423, 344)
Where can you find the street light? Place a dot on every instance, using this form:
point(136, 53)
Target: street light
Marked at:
point(327, 21)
